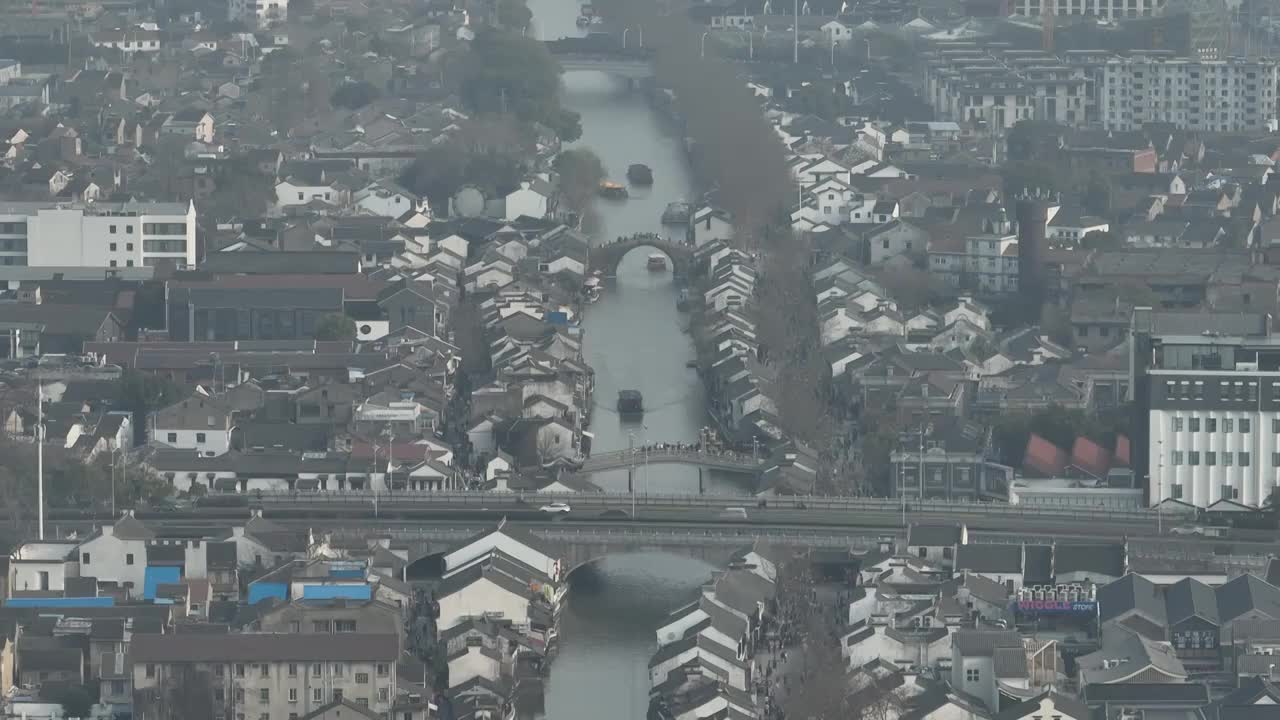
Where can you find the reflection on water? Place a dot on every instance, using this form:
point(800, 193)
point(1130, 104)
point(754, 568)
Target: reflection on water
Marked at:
point(607, 633)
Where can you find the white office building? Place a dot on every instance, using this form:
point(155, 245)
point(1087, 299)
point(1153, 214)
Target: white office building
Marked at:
point(1233, 95)
point(258, 13)
point(1212, 401)
point(100, 235)
point(1100, 9)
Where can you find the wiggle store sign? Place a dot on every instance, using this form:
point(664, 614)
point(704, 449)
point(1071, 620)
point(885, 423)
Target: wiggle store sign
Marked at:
point(1058, 607)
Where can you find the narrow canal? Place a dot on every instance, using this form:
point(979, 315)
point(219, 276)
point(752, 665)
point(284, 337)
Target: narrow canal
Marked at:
point(635, 339)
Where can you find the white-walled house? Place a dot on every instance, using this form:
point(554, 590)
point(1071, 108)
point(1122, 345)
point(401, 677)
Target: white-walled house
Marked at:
point(509, 541)
point(43, 566)
point(532, 199)
point(118, 554)
point(709, 223)
point(199, 423)
point(387, 199)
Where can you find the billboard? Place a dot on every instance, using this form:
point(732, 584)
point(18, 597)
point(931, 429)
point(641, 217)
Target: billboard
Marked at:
point(1056, 607)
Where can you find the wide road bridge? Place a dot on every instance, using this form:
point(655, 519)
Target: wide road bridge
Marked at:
point(604, 52)
point(622, 459)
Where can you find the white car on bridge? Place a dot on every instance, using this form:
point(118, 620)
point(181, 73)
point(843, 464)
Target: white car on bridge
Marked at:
point(556, 508)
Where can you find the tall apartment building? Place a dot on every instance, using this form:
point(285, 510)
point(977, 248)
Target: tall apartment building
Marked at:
point(263, 676)
point(1234, 95)
point(100, 235)
point(966, 82)
point(1207, 406)
point(1100, 9)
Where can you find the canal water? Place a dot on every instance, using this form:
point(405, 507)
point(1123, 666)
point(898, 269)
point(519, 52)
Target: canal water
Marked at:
point(635, 340)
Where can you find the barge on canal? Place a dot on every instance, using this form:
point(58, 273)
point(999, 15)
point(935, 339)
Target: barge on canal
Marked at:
point(640, 175)
point(630, 403)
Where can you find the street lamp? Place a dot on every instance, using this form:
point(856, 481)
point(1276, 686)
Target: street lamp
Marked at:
point(624, 37)
point(833, 51)
point(751, 44)
point(703, 45)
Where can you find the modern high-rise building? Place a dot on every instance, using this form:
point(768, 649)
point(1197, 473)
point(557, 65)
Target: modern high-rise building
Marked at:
point(1206, 406)
point(1233, 95)
point(105, 235)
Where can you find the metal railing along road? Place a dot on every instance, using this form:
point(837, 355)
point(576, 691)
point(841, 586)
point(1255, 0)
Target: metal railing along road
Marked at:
point(495, 500)
point(622, 458)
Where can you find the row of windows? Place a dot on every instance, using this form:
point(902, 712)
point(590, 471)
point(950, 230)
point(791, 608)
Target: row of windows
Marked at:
point(1228, 425)
point(317, 696)
point(164, 228)
point(1227, 492)
point(1227, 390)
point(264, 669)
point(13, 228)
point(1211, 458)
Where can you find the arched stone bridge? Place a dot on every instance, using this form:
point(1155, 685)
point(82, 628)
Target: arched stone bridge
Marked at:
point(605, 258)
point(619, 459)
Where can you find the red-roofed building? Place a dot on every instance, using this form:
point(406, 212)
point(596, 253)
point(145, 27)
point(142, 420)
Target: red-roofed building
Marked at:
point(1090, 458)
point(1043, 458)
point(1121, 456)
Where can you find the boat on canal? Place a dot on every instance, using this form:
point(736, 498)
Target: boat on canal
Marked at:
point(583, 21)
point(630, 402)
point(676, 213)
point(657, 262)
point(639, 174)
point(591, 289)
point(612, 190)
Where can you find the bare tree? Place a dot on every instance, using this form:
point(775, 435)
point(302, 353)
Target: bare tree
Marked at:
point(186, 693)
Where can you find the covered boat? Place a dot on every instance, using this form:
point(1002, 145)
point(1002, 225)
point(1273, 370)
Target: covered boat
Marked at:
point(630, 402)
point(657, 261)
point(612, 190)
point(640, 174)
point(677, 213)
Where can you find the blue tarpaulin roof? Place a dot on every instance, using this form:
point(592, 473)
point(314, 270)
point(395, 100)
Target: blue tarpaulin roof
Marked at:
point(60, 602)
point(157, 576)
point(261, 591)
point(336, 592)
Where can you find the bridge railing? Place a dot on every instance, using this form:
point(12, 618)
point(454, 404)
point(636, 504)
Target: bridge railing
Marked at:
point(500, 500)
point(690, 455)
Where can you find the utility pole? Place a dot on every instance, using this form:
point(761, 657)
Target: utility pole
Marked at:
point(795, 35)
point(40, 452)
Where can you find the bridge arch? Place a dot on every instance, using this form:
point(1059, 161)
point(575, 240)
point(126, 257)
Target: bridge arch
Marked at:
point(605, 258)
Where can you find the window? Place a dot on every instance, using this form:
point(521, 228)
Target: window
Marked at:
point(1244, 459)
point(200, 437)
point(1275, 459)
point(1245, 425)
point(239, 696)
point(112, 247)
point(1228, 492)
point(1228, 425)
point(344, 626)
point(1177, 457)
point(337, 669)
point(362, 678)
point(128, 247)
point(264, 696)
point(128, 229)
point(337, 694)
point(1194, 424)
point(1228, 459)
point(239, 670)
point(265, 670)
point(383, 669)
point(295, 627)
point(293, 669)
point(112, 230)
point(317, 695)
point(84, 558)
point(219, 695)
point(293, 695)
point(317, 670)
point(1211, 425)
point(151, 670)
point(1275, 425)
point(264, 716)
point(128, 559)
point(1177, 492)
point(1210, 458)
point(972, 675)
point(383, 694)
point(171, 437)
point(1177, 424)
point(128, 263)
point(1193, 457)
point(320, 626)
point(219, 670)
point(362, 701)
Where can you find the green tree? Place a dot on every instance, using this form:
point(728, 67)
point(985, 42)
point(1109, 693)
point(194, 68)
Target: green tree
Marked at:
point(509, 73)
point(354, 95)
point(442, 169)
point(1096, 196)
point(580, 172)
point(514, 14)
point(76, 700)
point(143, 393)
point(335, 326)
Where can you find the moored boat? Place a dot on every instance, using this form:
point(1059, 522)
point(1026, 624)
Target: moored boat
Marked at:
point(630, 402)
point(657, 261)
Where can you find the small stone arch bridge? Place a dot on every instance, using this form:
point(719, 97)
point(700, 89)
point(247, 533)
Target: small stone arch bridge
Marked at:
point(605, 258)
point(604, 53)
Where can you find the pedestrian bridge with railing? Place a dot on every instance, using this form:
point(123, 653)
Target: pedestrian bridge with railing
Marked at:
point(623, 459)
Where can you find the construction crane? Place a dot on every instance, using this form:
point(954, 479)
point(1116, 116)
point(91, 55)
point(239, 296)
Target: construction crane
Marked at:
point(1048, 13)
